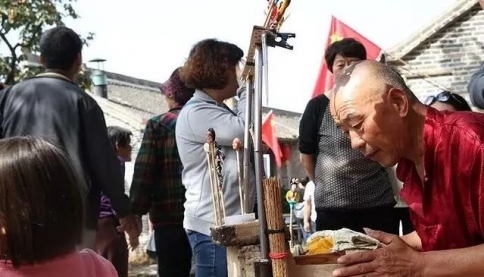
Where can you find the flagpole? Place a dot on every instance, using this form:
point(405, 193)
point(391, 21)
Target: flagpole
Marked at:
point(247, 186)
point(265, 67)
point(261, 39)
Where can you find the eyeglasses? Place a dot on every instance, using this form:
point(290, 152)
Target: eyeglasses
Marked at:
point(443, 97)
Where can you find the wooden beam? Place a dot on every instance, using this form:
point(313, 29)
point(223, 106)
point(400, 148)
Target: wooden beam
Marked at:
point(242, 234)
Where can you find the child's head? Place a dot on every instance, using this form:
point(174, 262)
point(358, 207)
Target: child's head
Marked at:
point(121, 141)
point(294, 183)
point(41, 204)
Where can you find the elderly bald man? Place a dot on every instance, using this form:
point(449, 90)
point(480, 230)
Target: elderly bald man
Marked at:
point(440, 158)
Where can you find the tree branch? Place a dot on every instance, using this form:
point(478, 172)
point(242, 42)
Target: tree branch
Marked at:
point(11, 74)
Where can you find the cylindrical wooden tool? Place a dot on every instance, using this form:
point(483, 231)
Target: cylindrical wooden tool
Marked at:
point(237, 144)
point(276, 227)
point(217, 199)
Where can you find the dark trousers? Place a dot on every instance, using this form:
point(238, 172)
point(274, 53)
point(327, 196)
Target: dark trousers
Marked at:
point(378, 218)
point(173, 251)
point(403, 215)
point(112, 245)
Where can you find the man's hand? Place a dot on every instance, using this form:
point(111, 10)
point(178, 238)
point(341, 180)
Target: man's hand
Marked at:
point(393, 258)
point(131, 224)
point(307, 226)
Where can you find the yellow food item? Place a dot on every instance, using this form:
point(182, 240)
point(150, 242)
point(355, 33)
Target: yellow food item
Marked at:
point(320, 245)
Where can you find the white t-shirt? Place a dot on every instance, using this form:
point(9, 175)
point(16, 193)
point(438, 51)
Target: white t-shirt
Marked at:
point(309, 195)
point(397, 186)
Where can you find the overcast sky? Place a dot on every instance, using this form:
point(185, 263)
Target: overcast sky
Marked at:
point(149, 38)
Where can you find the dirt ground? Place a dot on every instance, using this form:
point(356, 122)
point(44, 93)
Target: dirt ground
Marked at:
point(142, 271)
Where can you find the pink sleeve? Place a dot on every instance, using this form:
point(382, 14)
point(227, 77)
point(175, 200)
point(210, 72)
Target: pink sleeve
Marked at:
point(99, 266)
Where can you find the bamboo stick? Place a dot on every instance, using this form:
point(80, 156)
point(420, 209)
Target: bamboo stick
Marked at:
point(207, 147)
point(237, 144)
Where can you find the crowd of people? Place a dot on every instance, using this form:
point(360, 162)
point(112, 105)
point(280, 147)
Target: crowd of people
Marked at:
point(376, 159)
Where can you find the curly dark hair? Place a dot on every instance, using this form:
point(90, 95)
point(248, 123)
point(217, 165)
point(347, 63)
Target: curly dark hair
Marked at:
point(208, 64)
point(348, 47)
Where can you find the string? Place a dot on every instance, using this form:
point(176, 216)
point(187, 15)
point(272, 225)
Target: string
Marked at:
point(277, 256)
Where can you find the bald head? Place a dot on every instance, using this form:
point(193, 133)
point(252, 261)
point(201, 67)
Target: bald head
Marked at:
point(372, 73)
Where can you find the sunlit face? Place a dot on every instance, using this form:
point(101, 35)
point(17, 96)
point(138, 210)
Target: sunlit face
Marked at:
point(372, 120)
point(232, 86)
point(340, 62)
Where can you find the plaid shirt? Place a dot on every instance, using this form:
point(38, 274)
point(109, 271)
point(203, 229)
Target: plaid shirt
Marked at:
point(157, 186)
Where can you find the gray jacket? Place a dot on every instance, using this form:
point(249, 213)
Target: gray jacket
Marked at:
point(197, 116)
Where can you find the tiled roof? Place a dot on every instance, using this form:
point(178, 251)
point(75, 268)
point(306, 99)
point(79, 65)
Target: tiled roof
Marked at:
point(145, 98)
point(129, 116)
point(455, 12)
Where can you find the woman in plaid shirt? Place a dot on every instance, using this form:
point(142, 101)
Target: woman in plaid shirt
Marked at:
point(157, 183)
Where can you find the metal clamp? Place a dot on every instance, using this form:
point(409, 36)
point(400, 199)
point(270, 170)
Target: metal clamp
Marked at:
point(275, 39)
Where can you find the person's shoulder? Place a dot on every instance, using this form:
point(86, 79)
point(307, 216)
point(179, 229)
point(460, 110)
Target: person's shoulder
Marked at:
point(317, 101)
point(96, 264)
point(315, 107)
point(465, 125)
point(310, 185)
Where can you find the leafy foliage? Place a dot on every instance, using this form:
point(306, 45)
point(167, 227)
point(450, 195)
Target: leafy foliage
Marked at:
point(22, 23)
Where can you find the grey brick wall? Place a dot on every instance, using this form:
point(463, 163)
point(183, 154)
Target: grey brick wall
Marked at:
point(448, 58)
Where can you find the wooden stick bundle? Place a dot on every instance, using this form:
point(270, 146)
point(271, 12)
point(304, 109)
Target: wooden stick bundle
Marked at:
point(276, 226)
point(216, 187)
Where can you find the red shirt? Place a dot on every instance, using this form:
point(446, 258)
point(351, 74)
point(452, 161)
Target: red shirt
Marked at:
point(447, 208)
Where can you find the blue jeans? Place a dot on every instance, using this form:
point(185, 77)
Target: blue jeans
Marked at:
point(210, 259)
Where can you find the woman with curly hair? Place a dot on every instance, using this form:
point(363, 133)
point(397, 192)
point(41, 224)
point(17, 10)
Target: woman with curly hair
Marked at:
point(212, 68)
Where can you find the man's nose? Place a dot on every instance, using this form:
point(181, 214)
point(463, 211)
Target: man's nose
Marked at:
point(356, 142)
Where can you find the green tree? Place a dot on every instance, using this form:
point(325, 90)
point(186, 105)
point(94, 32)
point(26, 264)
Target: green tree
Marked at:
point(22, 23)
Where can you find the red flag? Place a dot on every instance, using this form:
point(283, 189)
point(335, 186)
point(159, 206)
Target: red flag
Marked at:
point(286, 152)
point(270, 139)
point(339, 31)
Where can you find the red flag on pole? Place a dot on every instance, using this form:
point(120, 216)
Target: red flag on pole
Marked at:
point(339, 31)
point(270, 139)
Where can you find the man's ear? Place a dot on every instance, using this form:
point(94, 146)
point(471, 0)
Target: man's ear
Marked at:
point(78, 61)
point(398, 99)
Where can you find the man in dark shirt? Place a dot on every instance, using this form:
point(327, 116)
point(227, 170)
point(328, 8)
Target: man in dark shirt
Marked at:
point(351, 191)
point(51, 105)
